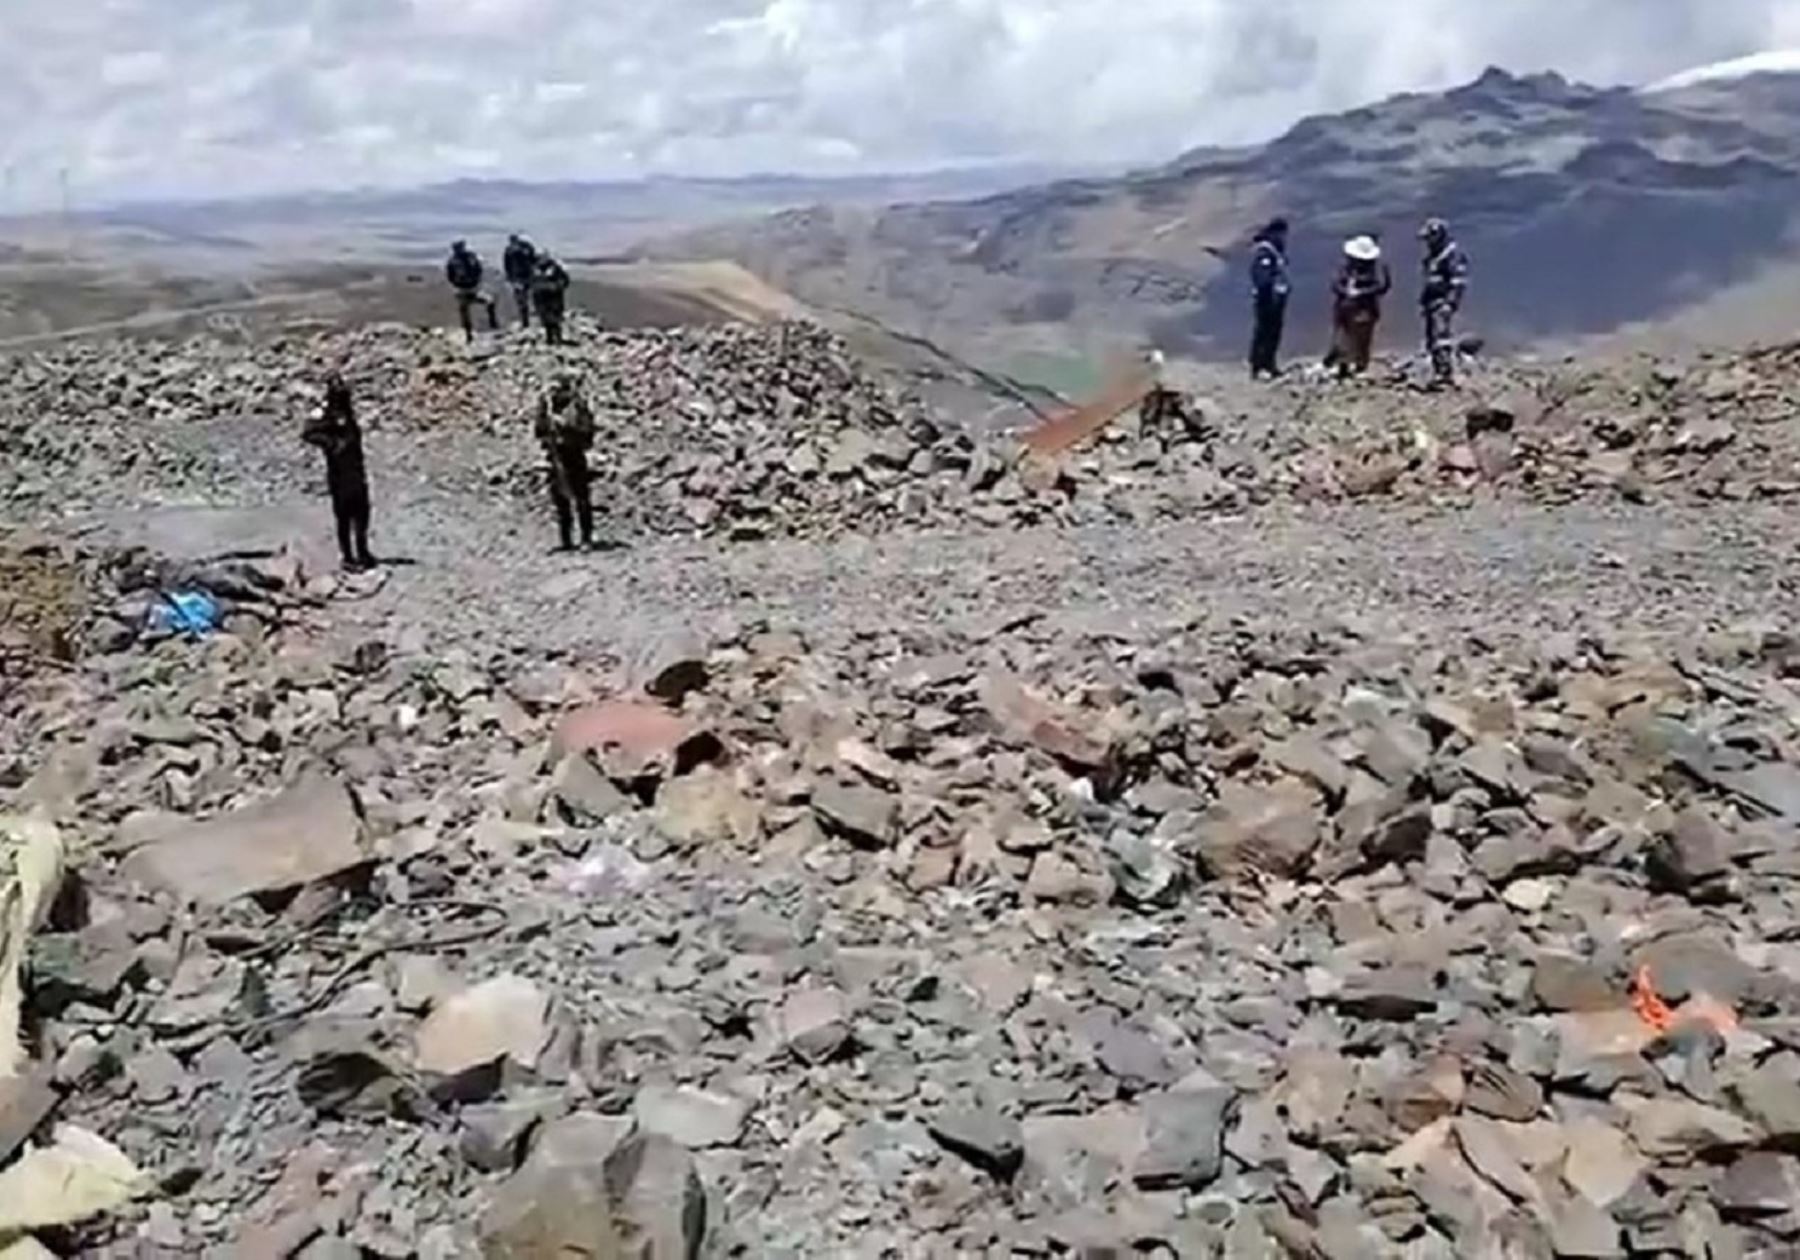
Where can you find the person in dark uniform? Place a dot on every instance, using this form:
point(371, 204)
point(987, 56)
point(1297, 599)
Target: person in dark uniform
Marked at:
point(464, 272)
point(1441, 294)
point(549, 293)
point(1269, 292)
point(520, 263)
point(333, 429)
point(565, 429)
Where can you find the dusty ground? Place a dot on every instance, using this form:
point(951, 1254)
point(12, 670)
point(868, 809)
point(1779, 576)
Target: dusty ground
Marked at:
point(1266, 917)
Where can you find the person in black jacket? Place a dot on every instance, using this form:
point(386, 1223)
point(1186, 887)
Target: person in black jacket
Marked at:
point(333, 429)
point(1269, 292)
point(464, 272)
point(564, 429)
point(549, 293)
point(521, 264)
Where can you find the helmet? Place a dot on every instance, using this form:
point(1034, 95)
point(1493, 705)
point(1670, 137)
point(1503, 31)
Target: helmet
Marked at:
point(1362, 249)
point(1434, 230)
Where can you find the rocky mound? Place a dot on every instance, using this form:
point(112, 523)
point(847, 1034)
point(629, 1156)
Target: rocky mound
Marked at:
point(777, 431)
point(1194, 943)
point(737, 430)
point(1718, 430)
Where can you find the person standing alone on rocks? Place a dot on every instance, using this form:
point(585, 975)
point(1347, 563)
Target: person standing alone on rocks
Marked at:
point(1269, 290)
point(520, 263)
point(1441, 297)
point(463, 271)
point(549, 293)
point(333, 429)
point(1362, 281)
point(565, 429)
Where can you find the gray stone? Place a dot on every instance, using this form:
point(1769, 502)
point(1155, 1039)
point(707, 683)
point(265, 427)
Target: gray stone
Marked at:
point(1495, 1090)
point(584, 795)
point(1581, 1231)
point(1562, 983)
point(1133, 1056)
point(493, 1136)
point(643, 1201)
point(506, 1018)
point(1266, 831)
point(815, 1024)
point(1760, 1184)
point(584, 1138)
point(990, 1141)
point(1677, 1128)
point(1396, 994)
point(305, 834)
point(26, 1100)
point(1396, 752)
point(1144, 872)
point(1771, 1097)
point(696, 1118)
point(1601, 1165)
point(1688, 965)
point(1186, 1138)
point(1402, 838)
point(863, 815)
point(673, 668)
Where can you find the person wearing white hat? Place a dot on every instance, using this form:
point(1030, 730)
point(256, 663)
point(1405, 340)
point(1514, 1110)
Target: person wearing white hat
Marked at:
point(1361, 283)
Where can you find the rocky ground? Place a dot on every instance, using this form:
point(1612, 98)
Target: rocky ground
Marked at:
point(1345, 822)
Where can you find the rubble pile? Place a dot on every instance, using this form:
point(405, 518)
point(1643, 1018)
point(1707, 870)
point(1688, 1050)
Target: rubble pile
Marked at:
point(1195, 942)
point(734, 431)
point(744, 432)
point(1721, 429)
point(60, 601)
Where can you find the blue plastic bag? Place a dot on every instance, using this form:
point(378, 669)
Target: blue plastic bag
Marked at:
point(193, 613)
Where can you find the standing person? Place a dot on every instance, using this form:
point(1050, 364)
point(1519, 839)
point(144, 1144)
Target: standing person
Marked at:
point(549, 293)
point(333, 429)
point(1362, 281)
point(1446, 281)
point(565, 429)
point(1269, 289)
point(464, 272)
point(521, 264)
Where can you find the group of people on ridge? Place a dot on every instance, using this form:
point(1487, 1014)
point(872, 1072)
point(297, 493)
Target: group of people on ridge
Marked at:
point(539, 283)
point(564, 429)
point(1362, 281)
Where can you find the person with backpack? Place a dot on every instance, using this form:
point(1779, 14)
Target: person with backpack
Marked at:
point(334, 431)
point(565, 429)
point(549, 293)
point(464, 272)
point(520, 262)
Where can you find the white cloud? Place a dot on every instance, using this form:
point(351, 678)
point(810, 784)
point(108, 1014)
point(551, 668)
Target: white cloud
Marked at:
point(153, 97)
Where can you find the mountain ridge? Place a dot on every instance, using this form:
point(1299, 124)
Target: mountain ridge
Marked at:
point(1587, 209)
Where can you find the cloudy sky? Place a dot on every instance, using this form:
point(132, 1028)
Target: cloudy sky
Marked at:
point(198, 97)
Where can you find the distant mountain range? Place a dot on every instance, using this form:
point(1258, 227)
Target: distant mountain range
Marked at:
point(574, 218)
point(1586, 210)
